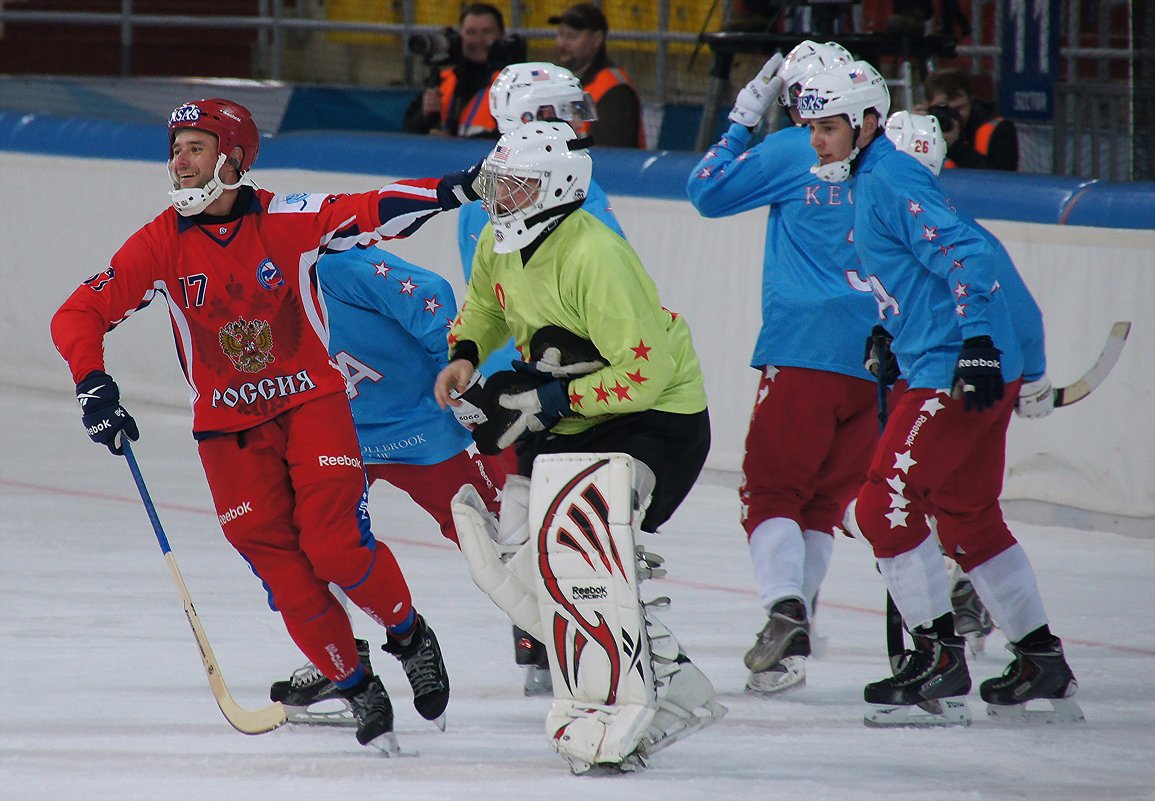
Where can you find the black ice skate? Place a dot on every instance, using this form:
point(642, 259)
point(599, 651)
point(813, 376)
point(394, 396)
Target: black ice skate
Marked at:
point(1039, 673)
point(929, 688)
point(971, 619)
point(533, 655)
point(420, 657)
point(374, 715)
point(777, 662)
point(309, 696)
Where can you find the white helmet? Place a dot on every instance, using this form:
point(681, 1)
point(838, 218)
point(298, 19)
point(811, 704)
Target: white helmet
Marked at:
point(806, 59)
point(538, 90)
point(919, 135)
point(851, 89)
point(532, 178)
point(848, 90)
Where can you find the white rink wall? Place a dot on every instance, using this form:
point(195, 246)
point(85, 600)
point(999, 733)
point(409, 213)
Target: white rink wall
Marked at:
point(1091, 464)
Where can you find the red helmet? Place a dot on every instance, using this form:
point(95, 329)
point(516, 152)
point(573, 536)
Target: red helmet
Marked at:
point(230, 122)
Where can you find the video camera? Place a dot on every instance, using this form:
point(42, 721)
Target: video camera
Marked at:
point(947, 117)
point(443, 48)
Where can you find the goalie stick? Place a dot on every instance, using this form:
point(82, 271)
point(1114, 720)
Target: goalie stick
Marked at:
point(243, 720)
point(1064, 396)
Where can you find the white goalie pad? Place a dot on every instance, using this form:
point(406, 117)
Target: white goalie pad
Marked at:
point(622, 687)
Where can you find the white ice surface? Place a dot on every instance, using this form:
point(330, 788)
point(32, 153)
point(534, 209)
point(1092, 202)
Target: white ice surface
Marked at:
point(102, 695)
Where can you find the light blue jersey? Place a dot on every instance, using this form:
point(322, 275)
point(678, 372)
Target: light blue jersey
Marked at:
point(388, 321)
point(471, 218)
point(936, 279)
point(811, 315)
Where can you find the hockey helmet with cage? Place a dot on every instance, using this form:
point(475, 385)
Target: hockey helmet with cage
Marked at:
point(233, 126)
point(806, 59)
point(920, 135)
point(521, 91)
point(531, 179)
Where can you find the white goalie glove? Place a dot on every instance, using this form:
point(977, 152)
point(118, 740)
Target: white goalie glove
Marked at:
point(623, 689)
point(756, 97)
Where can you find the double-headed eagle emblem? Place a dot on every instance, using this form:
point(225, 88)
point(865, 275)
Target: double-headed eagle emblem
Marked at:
point(248, 344)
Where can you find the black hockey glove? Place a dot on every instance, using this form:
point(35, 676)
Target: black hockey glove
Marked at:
point(469, 412)
point(458, 188)
point(103, 416)
point(878, 356)
point(978, 375)
point(517, 403)
point(562, 353)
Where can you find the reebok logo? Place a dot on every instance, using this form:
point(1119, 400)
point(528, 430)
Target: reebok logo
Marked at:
point(595, 592)
point(338, 461)
point(235, 512)
point(979, 363)
point(101, 426)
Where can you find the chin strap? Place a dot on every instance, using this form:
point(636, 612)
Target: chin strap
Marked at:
point(190, 202)
point(836, 171)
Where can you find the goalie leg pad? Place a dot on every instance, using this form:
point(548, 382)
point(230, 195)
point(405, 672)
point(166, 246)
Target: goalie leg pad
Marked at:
point(508, 582)
point(622, 686)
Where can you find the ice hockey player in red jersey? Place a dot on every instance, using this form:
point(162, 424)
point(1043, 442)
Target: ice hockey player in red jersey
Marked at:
point(235, 266)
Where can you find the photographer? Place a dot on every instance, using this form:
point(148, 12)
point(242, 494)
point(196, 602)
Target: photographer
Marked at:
point(462, 64)
point(976, 137)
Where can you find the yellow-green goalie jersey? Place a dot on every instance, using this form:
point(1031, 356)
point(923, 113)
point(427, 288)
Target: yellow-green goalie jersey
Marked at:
point(587, 279)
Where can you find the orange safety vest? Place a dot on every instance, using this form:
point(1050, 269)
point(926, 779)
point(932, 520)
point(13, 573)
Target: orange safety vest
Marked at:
point(606, 79)
point(982, 140)
point(475, 118)
point(983, 135)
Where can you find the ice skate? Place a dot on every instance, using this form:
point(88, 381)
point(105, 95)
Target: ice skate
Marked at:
point(374, 715)
point(777, 662)
point(1038, 674)
point(309, 696)
point(929, 688)
point(971, 619)
point(420, 657)
point(533, 655)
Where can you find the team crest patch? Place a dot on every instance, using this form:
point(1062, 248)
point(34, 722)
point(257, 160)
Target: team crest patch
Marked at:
point(269, 275)
point(248, 344)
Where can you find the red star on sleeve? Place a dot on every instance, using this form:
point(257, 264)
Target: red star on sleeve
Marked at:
point(575, 400)
point(641, 351)
point(637, 377)
point(623, 392)
point(602, 395)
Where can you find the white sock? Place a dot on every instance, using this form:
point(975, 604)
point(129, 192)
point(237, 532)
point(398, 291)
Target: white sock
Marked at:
point(819, 548)
point(779, 553)
point(1007, 586)
point(918, 582)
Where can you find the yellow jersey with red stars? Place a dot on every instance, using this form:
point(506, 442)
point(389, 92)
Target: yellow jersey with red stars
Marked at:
point(588, 280)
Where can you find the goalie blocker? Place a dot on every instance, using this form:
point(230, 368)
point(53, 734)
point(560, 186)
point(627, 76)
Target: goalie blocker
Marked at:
point(623, 688)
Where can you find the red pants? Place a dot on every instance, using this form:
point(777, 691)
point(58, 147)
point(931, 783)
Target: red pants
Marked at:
point(936, 458)
point(809, 444)
point(433, 486)
point(292, 499)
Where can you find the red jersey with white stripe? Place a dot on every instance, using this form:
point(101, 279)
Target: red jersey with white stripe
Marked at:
point(251, 331)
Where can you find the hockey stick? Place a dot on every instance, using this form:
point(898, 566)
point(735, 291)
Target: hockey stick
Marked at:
point(243, 720)
point(1065, 396)
point(895, 641)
